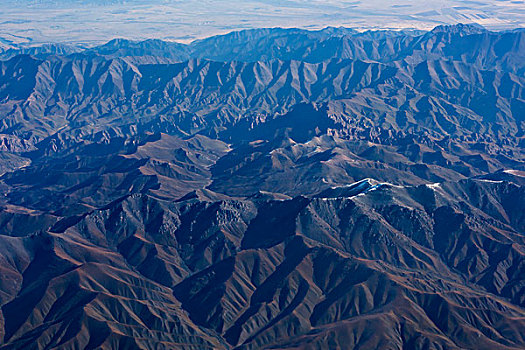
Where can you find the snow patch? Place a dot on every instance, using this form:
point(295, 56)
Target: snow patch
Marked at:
point(388, 184)
point(490, 181)
point(434, 186)
point(515, 172)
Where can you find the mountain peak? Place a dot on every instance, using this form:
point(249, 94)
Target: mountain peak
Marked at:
point(460, 28)
point(357, 188)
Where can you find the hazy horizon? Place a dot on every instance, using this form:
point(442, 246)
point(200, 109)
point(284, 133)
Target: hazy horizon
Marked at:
point(33, 22)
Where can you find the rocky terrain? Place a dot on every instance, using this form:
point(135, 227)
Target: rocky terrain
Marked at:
point(280, 189)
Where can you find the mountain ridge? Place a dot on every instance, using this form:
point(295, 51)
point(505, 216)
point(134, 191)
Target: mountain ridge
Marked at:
point(359, 190)
point(309, 46)
point(309, 236)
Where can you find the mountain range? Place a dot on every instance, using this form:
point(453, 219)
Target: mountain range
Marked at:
point(270, 188)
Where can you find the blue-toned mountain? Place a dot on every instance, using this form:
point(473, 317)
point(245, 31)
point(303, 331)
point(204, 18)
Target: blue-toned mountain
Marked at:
point(273, 188)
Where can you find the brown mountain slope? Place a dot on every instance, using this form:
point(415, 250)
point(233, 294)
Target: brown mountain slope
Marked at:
point(413, 264)
point(353, 190)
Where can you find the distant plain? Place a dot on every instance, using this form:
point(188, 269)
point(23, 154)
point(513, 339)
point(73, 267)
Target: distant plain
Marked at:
point(33, 22)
